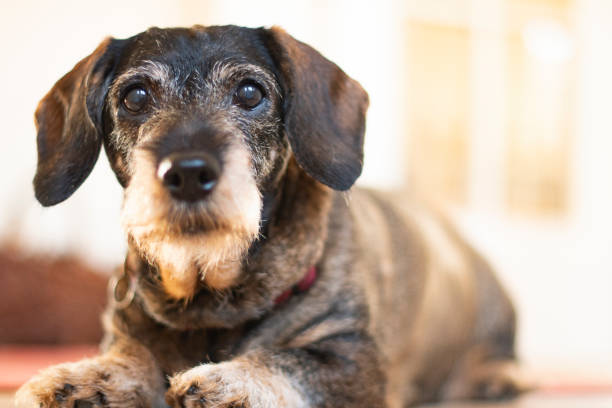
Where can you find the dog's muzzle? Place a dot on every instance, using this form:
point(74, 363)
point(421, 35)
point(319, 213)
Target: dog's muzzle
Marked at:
point(190, 176)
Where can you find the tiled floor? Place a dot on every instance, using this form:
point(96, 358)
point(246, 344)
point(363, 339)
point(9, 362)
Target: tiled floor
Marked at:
point(540, 401)
point(5, 400)
point(529, 401)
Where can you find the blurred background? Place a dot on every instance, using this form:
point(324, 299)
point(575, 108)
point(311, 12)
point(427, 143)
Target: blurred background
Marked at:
point(498, 109)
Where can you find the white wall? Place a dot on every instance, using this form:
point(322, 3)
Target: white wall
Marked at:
point(558, 269)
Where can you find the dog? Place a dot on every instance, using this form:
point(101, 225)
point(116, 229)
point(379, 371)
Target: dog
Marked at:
point(254, 277)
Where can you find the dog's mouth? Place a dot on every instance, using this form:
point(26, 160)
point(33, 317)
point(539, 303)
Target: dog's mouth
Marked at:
point(191, 255)
point(193, 241)
point(193, 219)
point(193, 246)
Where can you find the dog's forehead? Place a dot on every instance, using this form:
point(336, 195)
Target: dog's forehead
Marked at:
point(196, 47)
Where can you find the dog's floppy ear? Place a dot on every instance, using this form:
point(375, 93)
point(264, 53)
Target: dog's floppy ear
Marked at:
point(324, 111)
point(69, 124)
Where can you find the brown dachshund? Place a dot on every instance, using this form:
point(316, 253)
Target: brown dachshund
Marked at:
point(252, 278)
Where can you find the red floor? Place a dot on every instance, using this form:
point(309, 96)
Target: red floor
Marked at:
point(18, 363)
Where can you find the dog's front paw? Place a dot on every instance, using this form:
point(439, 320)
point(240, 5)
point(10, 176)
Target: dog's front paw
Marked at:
point(209, 386)
point(235, 384)
point(86, 384)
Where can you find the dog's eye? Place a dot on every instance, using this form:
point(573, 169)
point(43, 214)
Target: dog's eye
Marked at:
point(135, 99)
point(248, 95)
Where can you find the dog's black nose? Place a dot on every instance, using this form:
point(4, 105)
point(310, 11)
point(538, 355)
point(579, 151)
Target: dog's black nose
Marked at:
point(189, 176)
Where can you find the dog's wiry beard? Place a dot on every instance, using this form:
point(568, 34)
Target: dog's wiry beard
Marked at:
point(193, 242)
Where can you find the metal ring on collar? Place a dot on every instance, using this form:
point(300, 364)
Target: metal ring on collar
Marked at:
point(113, 291)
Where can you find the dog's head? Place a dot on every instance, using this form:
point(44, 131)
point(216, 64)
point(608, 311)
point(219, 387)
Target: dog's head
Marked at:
point(199, 125)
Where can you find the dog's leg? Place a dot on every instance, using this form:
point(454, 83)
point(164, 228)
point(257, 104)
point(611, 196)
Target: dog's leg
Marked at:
point(492, 380)
point(481, 376)
point(341, 370)
point(125, 376)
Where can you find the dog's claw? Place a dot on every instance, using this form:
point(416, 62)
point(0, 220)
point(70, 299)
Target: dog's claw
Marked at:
point(62, 397)
point(62, 394)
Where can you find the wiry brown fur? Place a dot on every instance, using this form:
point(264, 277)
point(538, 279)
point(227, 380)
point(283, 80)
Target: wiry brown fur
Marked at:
point(402, 310)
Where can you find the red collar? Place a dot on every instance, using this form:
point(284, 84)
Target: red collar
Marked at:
point(302, 286)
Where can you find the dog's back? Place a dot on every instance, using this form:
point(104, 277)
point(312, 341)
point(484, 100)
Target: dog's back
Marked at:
point(437, 311)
